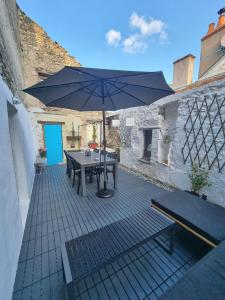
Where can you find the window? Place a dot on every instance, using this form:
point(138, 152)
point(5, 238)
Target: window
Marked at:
point(147, 144)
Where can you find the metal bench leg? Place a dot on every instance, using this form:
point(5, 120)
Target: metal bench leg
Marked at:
point(171, 242)
point(78, 187)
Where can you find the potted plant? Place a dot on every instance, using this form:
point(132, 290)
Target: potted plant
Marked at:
point(199, 179)
point(42, 152)
point(92, 144)
point(167, 139)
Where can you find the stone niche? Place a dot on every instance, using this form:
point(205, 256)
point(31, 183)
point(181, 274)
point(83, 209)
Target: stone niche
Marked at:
point(167, 122)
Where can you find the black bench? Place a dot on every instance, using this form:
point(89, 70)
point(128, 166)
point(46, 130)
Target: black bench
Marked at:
point(204, 281)
point(202, 218)
point(88, 253)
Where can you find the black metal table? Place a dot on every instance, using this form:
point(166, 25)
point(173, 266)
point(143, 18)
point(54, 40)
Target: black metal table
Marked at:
point(88, 253)
point(92, 161)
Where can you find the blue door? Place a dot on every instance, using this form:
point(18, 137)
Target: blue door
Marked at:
point(53, 143)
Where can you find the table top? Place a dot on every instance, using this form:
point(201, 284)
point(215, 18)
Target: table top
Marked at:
point(85, 254)
point(92, 160)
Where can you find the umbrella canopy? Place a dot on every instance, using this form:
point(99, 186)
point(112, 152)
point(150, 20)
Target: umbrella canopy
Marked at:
point(88, 89)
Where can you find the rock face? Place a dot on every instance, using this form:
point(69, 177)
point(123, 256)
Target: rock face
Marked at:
point(170, 115)
point(41, 55)
point(10, 59)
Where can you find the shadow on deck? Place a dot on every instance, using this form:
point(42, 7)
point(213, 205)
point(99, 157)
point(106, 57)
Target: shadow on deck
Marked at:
point(57, 214)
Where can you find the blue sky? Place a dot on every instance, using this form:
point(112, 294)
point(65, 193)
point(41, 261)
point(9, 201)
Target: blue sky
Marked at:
point(142, 35)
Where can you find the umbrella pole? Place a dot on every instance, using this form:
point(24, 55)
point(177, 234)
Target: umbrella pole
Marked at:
point(104, 193)
point(104, 149)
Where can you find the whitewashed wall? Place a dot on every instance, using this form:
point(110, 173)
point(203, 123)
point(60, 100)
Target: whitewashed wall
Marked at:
point(17, 155)
point(176, 173)
point(17, 151)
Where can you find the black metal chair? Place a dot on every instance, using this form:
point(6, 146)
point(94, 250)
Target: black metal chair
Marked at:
point(77, 171)
point(111, 168)
point(103, 152)
point(68, 164)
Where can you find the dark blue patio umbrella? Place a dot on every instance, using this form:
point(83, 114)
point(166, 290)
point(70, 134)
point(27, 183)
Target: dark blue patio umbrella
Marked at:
point(88, 89)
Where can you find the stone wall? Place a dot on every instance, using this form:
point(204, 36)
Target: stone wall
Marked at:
point(112, 133)
point(174, 112)
point(42, 57)
point(10, 58)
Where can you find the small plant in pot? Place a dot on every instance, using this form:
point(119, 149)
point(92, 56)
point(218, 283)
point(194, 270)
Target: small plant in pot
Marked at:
point(167, 139)
point(42, 152)
point(199, 178)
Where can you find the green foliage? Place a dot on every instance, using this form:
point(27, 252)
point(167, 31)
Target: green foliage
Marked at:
point(42, 152)
point(199, 178)
point(167, 139)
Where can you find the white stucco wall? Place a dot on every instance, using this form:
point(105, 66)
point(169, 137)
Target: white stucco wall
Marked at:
point(16, 180)
point(17, 151)
point(176, 173)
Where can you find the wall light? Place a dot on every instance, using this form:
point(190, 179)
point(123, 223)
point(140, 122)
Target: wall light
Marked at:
point(115, 123)
point(16, 100)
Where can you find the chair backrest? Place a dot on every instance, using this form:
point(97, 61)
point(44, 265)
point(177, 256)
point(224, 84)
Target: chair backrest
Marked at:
point(103, 152)
point(66, 155)
point(75, 165)
point(112, 155)
point(96, 150)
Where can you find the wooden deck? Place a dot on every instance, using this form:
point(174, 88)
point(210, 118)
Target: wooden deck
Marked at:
point(57, 214)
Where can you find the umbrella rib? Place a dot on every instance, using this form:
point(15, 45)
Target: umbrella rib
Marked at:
point(147, 87)
point(129, 94)
point(108, 94)
point(136, 74)
point(80, 70)
point(69, 94)
point(89, 91)
point(89, 97)
point(55, 85)
point(118, 89)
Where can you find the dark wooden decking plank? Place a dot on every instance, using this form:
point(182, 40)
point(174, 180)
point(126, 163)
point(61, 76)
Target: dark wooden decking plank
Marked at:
point(57, 213)
point(92, 250)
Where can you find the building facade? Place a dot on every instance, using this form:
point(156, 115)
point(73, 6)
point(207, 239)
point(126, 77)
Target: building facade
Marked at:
point(166, 138)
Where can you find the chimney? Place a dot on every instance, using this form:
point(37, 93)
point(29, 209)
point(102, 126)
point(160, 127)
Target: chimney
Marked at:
point(183, 71)
point(221, 21)
point(211, 28)
point(210, 44)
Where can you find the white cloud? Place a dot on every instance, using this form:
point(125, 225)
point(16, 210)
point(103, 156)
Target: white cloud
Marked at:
point(163, 37)
point(144, 28)
point(134, 44)
point(113, 37)
point(147, 27)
